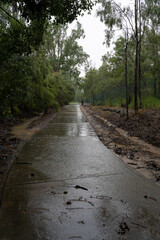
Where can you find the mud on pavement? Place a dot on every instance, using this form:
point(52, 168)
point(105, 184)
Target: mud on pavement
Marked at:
point(13, 134)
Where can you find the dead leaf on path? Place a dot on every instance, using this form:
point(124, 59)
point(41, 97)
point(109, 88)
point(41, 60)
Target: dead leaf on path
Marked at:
point(124, 202)
point(79, 187)
point(81, 222)
point(102, 197)
point(46, 218)
point(53, 192)
point(80, 199)
point(152, 198)
point(123, 228)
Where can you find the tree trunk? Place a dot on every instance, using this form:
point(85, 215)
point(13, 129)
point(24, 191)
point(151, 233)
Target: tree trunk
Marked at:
point(158, 76)
point(155, 85)
point(102, 98)
point(93, 100)
point(126, 76)
point(110, 102)
point(139, 76)
point(155, 67)
point(139, 56)
point(136, 60)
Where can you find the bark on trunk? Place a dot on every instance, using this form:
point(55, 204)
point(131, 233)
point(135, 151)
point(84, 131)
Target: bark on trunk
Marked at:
point(136, 61)
point(139, 77)
point(126, 76)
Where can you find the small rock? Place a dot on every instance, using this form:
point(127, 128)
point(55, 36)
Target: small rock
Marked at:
point(118, 151)
point(157, 177)
point(131, 156)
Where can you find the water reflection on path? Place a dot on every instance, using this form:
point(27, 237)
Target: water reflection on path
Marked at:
point(43, 198)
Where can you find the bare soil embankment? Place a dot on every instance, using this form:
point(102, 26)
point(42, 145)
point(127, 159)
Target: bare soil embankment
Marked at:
point(136, 140)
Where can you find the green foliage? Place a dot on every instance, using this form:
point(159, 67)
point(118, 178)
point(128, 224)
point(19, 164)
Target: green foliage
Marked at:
point(90, 85)
point(151, 102)
point(35, 82)
point(108, 82)
point(65, 54)
point(64, 90)
point(32, 17)
point(114, 102)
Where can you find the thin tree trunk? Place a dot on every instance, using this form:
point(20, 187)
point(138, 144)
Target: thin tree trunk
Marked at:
point(158, 77)
point(139, 76)
point(139, 56)
point(93, 100)
point(155, 85)
point(154, 74)
point(126, 76)
point(110, 98)
point(159, 88)
point(136, 61)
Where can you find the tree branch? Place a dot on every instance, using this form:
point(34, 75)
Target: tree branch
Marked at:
point(11, 16)
point(119, 7)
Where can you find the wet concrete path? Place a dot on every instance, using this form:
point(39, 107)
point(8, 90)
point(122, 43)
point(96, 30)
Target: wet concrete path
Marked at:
point(43, 198)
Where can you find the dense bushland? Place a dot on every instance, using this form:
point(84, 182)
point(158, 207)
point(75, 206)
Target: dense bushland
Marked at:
point(39, 63)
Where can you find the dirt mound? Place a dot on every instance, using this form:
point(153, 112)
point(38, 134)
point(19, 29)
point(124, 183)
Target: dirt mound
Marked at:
point(136, 140)
point(145, 125)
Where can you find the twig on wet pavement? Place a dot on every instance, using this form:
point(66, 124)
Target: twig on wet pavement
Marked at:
point(60, 219)
point(137, 224)
point(79, 187)
point(38, 233)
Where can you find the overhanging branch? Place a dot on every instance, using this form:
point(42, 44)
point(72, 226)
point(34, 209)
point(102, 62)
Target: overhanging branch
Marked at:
point(11, 16)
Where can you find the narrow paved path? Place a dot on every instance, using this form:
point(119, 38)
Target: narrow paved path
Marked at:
point(65, 184)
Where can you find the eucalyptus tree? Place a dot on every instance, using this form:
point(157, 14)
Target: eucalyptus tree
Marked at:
point(153, 38)
point(63, 49)
point(37, 13)
point(113, 15)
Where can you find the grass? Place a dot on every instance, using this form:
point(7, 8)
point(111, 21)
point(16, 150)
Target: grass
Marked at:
point(115, 102)
point(147, 102)
point(151, 102)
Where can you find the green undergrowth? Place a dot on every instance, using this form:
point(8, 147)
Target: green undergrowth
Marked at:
point(147, 102)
